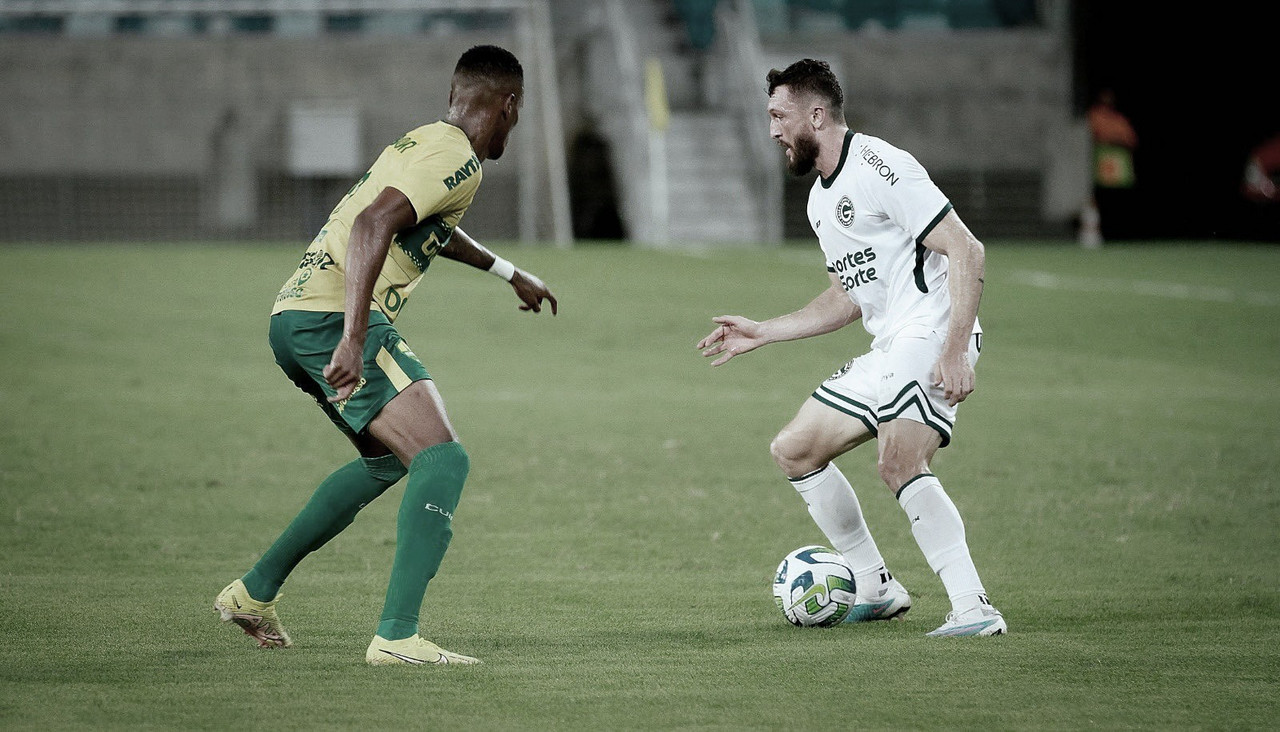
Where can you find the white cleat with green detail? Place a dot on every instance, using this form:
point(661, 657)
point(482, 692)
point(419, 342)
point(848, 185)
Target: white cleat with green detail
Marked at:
point(982, 620)
point(892, 605)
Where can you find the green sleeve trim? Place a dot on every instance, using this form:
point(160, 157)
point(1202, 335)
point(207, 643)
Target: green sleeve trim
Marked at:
point(932, 224)
point(920, 247)
point(423, 241)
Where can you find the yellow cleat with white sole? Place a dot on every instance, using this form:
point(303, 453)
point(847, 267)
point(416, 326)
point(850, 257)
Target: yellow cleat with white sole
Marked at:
point(257, 619)
point(412, 651)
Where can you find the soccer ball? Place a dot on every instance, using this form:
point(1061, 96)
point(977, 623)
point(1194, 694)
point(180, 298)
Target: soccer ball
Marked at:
point(814, 587)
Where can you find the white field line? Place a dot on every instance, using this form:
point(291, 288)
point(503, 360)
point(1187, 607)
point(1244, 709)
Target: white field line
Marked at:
point(1172, 290)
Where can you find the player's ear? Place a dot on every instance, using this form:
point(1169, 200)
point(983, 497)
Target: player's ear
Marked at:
point(818, 117)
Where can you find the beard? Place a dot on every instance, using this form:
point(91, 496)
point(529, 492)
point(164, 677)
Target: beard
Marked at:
point(804, 154)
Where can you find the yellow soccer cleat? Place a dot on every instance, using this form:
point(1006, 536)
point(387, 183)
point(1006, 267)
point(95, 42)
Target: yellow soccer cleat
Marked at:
point(413, 651)
point(257, 619)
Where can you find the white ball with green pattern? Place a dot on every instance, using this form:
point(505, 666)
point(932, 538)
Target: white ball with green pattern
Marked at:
point(814, 587)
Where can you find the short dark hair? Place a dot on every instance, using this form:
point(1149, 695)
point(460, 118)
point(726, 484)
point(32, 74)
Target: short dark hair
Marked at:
point(493, 64)
point(812, 77)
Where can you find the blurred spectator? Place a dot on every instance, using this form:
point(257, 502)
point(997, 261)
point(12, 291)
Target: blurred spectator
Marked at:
point(1260, 187)
point(700, 23)
point(1114, 141)
point(1262, 172)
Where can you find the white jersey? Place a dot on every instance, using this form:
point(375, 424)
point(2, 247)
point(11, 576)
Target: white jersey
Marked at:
point(871, 218)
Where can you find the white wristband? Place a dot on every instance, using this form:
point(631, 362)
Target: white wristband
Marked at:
point(502, 268)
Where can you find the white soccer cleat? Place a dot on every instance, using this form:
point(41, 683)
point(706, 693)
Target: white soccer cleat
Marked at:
point(892, 605)
point(982, 620)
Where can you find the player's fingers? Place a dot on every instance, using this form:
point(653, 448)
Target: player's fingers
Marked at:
point(338, 386)
point(715, 336)
point(333, 375)
point(554, 305)
point(341, 392)
point(338, 375)
point(723, 359)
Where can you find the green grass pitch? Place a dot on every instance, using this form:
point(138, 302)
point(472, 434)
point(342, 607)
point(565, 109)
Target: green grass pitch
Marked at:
point(1117, 471)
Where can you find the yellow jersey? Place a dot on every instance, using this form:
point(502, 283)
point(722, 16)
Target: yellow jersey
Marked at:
point(436, 169)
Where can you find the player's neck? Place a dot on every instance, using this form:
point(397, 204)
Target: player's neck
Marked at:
point(830, 147)
point(476, 130)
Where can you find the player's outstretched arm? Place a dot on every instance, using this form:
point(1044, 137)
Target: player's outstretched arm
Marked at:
point(371, 235)
point(966, 275)
point(735, 335)
point(531, 290)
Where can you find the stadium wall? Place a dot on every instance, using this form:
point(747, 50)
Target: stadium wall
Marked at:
point(155, 138)
point(988, 112)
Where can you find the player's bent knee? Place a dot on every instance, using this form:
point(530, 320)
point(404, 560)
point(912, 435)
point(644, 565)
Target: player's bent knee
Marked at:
point(450, 457)
point(779, 450)
point(896, 469)
point(793, 455)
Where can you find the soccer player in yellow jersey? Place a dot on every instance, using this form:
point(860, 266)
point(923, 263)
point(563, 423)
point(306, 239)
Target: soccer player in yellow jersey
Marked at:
point(332, 334)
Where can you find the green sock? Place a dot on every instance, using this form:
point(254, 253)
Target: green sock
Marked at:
point(423, 530)
point(331, 509)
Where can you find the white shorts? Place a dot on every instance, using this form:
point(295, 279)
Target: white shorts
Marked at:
point(880, 386)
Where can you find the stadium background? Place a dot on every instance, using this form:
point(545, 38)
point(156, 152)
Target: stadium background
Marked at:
point(164, 119)
point(163, 162)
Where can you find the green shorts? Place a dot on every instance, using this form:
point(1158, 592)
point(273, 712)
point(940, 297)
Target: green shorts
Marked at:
point(303, 343)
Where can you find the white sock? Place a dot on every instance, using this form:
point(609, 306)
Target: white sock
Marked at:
point(939, 531)
point(835, 508)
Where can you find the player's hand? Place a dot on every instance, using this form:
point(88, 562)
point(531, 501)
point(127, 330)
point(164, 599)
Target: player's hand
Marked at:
point(532, 292)
point(955, 375)
point(734, 335)
point(345, 368)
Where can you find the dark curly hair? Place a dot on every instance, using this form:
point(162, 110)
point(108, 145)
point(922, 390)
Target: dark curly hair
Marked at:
point(810, 76)
point(492, 64)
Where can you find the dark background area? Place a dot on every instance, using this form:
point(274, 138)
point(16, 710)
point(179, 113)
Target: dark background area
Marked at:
point(1199, 84)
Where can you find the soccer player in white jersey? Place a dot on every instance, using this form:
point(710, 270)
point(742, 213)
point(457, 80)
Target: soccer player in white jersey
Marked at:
point(903, 262)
